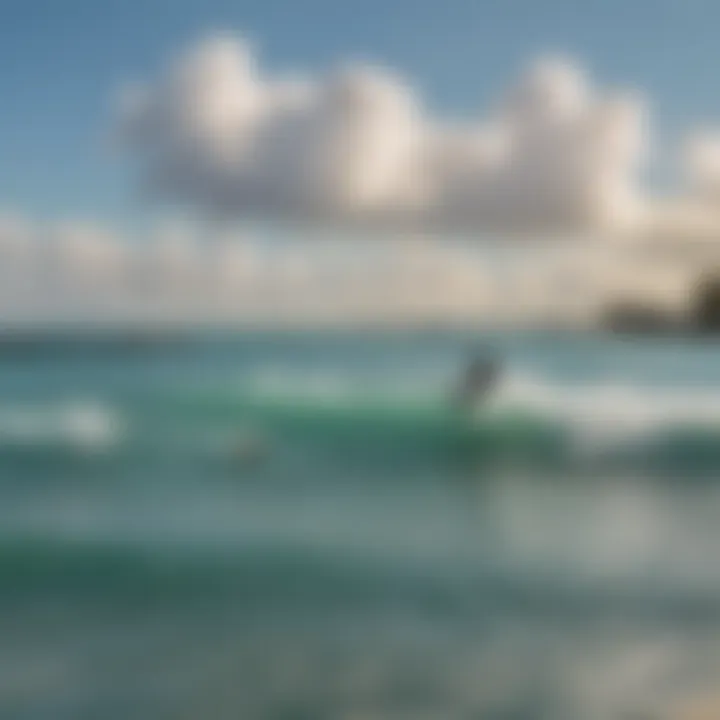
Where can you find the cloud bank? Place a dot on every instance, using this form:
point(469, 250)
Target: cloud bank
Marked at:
point(357, 146)
point(79, 272)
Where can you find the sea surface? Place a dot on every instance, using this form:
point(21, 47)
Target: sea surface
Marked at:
point(296, 526)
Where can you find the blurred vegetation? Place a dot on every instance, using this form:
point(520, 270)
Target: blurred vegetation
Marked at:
point(703, 313)
point(706, 304)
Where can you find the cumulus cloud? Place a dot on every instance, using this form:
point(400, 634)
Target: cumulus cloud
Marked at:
point(702, 164)
point(688, 219)
point(357, 146)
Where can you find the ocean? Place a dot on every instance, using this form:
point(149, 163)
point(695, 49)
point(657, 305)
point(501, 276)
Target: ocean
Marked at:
point(296, 526)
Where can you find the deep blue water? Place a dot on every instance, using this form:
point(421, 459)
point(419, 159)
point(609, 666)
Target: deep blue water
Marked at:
point(295, 525)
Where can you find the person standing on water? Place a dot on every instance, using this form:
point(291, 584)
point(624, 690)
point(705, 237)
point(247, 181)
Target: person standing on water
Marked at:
point(478, 380)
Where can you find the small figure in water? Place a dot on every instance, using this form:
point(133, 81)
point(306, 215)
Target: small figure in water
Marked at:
point(480, 377)
point(249, 450)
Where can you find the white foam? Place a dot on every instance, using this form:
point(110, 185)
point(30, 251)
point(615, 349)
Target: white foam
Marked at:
point(631, 406)
point(611, 412)
point(86, 425)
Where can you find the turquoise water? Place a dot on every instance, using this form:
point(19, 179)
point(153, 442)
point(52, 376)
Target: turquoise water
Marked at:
point(294, 525)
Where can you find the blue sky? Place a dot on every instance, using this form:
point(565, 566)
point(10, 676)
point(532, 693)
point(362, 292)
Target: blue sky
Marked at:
point(62, 62)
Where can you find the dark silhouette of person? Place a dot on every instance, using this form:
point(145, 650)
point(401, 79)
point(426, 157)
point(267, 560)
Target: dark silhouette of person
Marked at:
point(478, 380)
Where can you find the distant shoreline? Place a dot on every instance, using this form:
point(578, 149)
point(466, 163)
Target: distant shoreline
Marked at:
point(16, 340)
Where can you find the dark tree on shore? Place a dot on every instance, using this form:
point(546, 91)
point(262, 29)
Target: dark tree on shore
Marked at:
point(707, 304)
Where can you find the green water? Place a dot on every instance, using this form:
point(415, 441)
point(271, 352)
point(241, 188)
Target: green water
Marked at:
point(296, 525)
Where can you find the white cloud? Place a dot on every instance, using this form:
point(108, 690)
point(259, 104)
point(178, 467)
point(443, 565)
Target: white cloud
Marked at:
point(186, 273)
point(81, 272)
point(689, 218)
point(357, 146)
point(702, 164)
